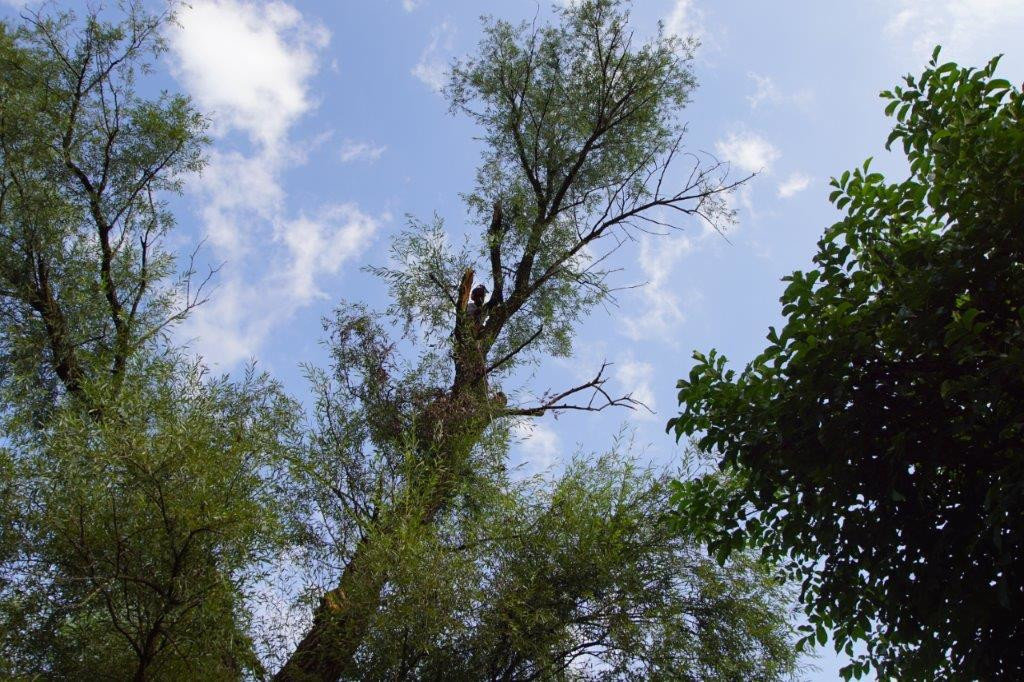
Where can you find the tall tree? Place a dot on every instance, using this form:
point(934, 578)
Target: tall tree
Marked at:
point(135, 495)
point(579, 578)
point(581, 122)
point(877, 440)
point(85, 163)
point(141, 498)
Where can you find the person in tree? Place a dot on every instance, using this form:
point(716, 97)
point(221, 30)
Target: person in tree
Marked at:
point(475, 309)
point(582, 124)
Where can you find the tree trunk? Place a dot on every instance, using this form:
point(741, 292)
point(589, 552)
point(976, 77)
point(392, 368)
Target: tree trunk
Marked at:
point(449, 429)
point(339, 624)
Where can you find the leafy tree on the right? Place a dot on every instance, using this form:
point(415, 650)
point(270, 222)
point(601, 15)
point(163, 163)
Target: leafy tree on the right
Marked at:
point(876, 445)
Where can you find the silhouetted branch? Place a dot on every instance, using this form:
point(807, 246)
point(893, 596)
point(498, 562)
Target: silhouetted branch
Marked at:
point(599, 400)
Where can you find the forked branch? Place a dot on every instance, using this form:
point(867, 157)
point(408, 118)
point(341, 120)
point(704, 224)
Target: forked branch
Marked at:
point(599, 399)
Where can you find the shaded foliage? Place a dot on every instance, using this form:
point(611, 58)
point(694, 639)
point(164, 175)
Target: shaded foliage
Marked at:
point(876, 443)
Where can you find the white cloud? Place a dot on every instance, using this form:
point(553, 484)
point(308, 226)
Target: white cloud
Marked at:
point(231, 326)
point(321, 245)
point(243, 312)
point(251, 64)
point(539, 444)
point(796, 182)
point(432, 68)
point(964, 27)
point(660, 309)
point(635, 377)
point(767, 92)
point(360, 151)
point(747, 151)
point(248, 63)
point(684, 20)
point(410, 5)
point(239, 190)
point(273, 262)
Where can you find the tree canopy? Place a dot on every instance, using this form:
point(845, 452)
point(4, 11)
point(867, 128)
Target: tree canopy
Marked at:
point(582, 131)
point(875, 445)
point(150, 510)
point(137, 495)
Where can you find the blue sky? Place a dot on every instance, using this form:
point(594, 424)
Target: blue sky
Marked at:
point(329, 129)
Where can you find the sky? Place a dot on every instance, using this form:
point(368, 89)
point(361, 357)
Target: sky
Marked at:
point(329, 129)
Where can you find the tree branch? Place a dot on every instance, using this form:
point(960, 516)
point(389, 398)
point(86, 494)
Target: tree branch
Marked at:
point(599, 400)
point(511, 354)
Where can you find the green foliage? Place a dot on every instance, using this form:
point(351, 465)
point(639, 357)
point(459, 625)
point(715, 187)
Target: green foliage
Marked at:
point(875, 444)
point(142, 532)
point(84, 281)
point(581, 121)
point(138, 495)
point(576, 578)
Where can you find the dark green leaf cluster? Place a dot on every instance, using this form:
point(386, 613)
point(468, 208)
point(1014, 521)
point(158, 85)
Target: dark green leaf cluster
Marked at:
point(876, 443)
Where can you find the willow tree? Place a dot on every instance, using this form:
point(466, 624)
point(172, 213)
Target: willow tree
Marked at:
point(133, 492)
point(583, 135)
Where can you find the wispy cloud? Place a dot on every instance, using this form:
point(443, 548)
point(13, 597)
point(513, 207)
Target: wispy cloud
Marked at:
point(432, 68)
point(961, 26)
point(767, 92)
point(410, 5)
point(747, 151)
point(360, 151)
point(660, 310)
point(636, 377)
point(320, 244)
point(684, 20)
point(251, 65)
point(539, 445)
point(796, 182)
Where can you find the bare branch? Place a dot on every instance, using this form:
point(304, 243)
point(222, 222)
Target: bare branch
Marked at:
point(599, 399)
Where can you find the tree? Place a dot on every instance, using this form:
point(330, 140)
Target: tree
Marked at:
point(581, 578)
point(876, 442)
point(136, 493)
point(581, 124)
point(143, 501)
point(85, 161)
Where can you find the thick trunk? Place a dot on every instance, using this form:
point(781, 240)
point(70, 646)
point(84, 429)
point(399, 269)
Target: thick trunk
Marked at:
point(448, 430)
point(339, 625)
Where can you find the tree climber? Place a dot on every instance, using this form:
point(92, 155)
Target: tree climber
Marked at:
point(475, 309)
